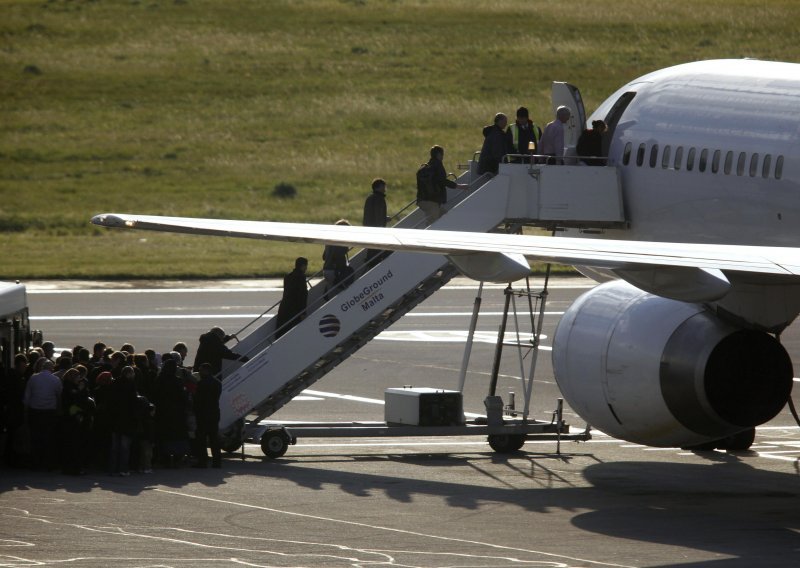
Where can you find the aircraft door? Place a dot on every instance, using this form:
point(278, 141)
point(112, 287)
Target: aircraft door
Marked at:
point(569, 96)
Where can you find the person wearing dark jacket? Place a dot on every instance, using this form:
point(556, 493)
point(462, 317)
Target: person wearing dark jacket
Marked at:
point(432, 199)
point(76, 424)
point(375, 205)
point(495, 145)
point(336, 269)
point(212, 350)
point(172, 406)
point(206, 409)
point(590, 143)
point(123, 411)
point(295, 297)
point(375, 211)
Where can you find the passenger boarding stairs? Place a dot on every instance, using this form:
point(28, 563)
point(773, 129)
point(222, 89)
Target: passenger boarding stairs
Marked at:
point(280, 368)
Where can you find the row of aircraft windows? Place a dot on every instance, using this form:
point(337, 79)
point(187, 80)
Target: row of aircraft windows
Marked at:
point(757, 164)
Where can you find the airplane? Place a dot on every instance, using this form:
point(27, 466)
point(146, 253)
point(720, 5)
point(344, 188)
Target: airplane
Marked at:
point(679, 344)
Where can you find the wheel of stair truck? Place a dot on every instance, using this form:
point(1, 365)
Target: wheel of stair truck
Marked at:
point(506, 443)
point(231, 438)
point(274, 443)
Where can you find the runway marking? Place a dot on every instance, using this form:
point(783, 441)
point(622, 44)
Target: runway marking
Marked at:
point(325, 394)
point(393, 530)
point(147, 317)
point(181, 316)
point(452, 336)
point(9, 543)
point(465, 314)
point(42, 289)
point(354, 398)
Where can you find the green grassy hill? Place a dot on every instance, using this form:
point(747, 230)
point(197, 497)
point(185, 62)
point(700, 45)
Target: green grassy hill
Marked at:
point(200, 108)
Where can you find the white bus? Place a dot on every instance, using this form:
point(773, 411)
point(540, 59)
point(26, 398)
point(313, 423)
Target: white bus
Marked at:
point(15, 329)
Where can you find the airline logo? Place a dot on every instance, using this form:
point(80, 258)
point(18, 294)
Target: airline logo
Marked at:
point(329, 325)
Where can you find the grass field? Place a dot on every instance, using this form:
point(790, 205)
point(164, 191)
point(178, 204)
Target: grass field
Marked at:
point(200, 108)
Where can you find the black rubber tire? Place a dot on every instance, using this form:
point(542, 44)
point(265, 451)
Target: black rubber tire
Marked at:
point(274, 443)
point(506, 443)
point(739, 442)
point(231, 447)
point(704, 447)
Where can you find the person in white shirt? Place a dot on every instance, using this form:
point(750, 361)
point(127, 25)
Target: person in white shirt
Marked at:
point(42, 400)
point(552, 142)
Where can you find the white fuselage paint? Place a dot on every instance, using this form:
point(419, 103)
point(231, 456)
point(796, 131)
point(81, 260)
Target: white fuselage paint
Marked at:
point(748, 109)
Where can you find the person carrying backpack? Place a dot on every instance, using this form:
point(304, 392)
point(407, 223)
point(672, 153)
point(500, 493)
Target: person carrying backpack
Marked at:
point(432, 184)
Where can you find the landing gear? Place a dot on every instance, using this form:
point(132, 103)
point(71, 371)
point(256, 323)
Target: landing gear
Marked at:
point(274, 443)
point(736, 443)
point(506, 443)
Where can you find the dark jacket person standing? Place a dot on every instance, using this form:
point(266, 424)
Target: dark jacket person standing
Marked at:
point(295, 297)
point(212, 350)
point(495, 145)
point(431, 204)
point(375, 211)
point(590, 144)
point(206, 410)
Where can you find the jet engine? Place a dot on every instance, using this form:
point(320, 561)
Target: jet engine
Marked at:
point(661, 372)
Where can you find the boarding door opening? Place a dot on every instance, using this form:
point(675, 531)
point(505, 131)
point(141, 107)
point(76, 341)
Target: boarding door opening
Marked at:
point(569, 96)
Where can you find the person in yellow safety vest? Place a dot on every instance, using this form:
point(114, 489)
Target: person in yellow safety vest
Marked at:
point(523, 136)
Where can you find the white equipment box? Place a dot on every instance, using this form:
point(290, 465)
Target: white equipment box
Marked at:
point(423, 406)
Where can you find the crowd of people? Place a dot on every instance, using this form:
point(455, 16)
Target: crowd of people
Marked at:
point(113, 410)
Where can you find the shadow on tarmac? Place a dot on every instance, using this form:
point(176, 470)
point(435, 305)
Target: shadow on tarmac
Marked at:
point(748, 517)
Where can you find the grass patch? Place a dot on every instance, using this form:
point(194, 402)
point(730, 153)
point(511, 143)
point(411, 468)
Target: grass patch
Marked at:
point(202, 108)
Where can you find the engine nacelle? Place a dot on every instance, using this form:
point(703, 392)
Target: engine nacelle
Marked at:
point(665, 373)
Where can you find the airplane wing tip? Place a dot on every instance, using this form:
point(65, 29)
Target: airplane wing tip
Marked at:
point(109, 220)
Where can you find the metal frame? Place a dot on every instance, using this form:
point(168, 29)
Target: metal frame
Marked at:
point(500, 421)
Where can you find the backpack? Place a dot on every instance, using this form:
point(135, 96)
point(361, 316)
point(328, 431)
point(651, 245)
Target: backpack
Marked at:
point(425, 189)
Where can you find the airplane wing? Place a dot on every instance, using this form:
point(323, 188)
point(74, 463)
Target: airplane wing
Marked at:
point(602, 253)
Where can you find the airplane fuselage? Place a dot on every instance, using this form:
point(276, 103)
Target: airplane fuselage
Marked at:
point(708, 152)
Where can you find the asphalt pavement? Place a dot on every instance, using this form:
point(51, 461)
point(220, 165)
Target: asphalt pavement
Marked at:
point(447, 501)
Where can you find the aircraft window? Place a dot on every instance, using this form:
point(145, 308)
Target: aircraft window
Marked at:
point(779, 167)
point(728, 162)
point(626, 154)
point(640, 155)
point(753, 165)
point(740, 163)
point(665, 157)
point(654, 156)
point(690, 160)
point(703, 160)
point(715, 162)
point(678, 157)
point(765, 167)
